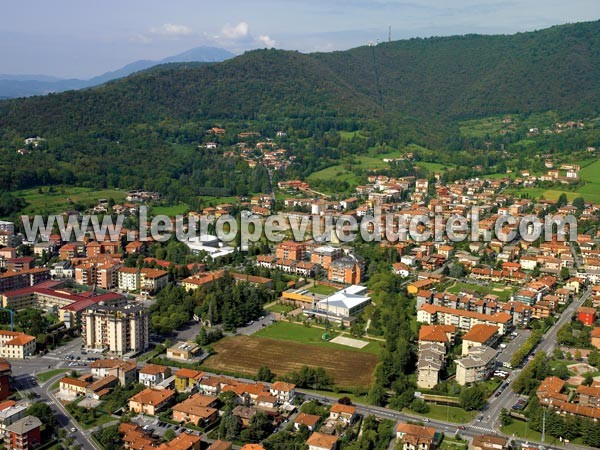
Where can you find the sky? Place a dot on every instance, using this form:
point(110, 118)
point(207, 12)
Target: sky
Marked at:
point(78, 38)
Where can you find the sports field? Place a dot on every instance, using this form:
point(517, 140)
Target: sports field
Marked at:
point(287, 331)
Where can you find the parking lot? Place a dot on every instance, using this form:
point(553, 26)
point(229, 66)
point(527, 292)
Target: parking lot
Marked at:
point(155, 426)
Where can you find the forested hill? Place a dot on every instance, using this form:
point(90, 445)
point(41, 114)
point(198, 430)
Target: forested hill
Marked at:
point(437, 78)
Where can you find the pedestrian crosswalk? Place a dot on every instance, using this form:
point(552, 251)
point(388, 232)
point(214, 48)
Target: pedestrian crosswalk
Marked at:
point(479, 428)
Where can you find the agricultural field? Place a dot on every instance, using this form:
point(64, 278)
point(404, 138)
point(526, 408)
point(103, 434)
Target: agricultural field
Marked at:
point(590, 191)
point(287, 331)
point(246, 354)
point(61, 198)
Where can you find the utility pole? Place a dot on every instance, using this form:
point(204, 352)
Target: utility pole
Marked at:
point(390, 34)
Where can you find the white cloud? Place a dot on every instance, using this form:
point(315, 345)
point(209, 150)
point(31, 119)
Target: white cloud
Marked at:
point(237, 32)
point(173, 30)
point(140, 39)
point(267, 40)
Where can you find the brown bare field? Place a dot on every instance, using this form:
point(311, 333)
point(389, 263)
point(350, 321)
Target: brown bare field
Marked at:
point(246, 354)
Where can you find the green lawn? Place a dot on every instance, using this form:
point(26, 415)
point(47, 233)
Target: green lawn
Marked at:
point(62, 198)
point(98, 421)
point(452, 444)
point(287, 331)
point(591, 172)
point(323, 289)
point(445, 413)
point(433, 167)
point(170, 211)
point(45, 376)
point(280, 308)
point(349, 135)
point(519, 428)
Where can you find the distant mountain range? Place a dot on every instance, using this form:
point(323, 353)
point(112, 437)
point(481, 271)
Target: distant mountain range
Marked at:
point(12, 86)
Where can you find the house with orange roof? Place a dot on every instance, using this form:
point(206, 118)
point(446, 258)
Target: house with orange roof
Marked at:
point(252, 447)
point(344, 414)
point(489, 442)
point(478, 335)
point(186, 379)
point(415, 437)
point(589, 395)
point(153, 280)
point(463, 319)
point(183, 441)
point(443, 334)
point(595, 337)
point(550, 390)
point(151, 401)
point(310, 421)
point(284, 392)
point(135, 438)
point(198, 410)
point(153, 374)
point(197, 281)
point(220, 445)
point(73, 386)
point(16, 345)
point(321, 441)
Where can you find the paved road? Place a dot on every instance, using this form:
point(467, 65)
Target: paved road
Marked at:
point(508, 398)
point(24, 378)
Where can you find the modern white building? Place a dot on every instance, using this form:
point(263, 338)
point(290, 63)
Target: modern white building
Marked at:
point(209, 244)
point(342, 305)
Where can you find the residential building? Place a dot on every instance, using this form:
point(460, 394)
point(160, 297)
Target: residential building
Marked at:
point(154, 374)
point(186, 379)
point(321, 441)
point(24, 434)
point(153, 280)
point(347, 270)
point(325, 255)
point(478, 365)
point(129, 278)
point(10, 414)
point(220, 445)
point(478, 335)
point(589, 395)
point(73, 386)
point(284, 392)
point(295, 251)
point(595, 337)
point(124, 371)
point(489, 442)
point(310, 421)
point(199, 410)
point(183, 351)
point(463, 319)
point(344, 414)
point(415, 437)
point(118, 329)
point(151, 401)
point(16, 345)
point(587, 315)
point(432, 357)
